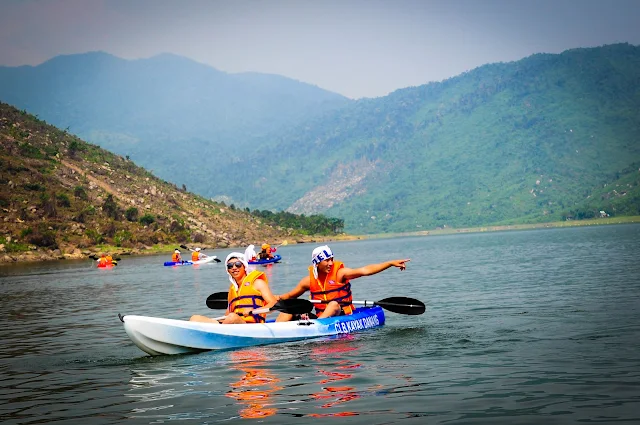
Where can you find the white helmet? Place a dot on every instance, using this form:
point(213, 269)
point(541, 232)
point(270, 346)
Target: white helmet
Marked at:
point(319, 254)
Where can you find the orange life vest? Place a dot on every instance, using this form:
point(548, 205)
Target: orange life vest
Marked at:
point(195, 256)
point(331, 290)
point(248, 298)
point(109, 260)
point(175, 257)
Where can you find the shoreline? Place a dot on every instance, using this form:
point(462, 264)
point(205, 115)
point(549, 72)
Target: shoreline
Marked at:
point(69, 252)
point(508, 227)
point(74, 253)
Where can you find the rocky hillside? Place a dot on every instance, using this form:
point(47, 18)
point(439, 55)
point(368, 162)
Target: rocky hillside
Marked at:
point(61, 197)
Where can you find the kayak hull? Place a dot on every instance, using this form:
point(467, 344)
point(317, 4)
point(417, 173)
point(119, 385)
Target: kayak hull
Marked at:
point(190, 263)
point(158, 336)
point(276, 258)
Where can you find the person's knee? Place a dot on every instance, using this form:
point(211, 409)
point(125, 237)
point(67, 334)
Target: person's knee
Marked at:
point(233, 318)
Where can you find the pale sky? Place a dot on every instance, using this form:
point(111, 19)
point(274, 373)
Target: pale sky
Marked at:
point(358, 48)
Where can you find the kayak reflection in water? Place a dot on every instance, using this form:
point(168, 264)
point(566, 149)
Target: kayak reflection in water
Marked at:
point(332, 395)
point(255, 388)
point(247, 292)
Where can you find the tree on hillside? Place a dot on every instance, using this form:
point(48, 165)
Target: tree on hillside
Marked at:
point(110, 208)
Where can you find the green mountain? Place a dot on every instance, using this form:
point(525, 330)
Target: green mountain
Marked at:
point(548, 137)
point(534, 140)
point(168, 113)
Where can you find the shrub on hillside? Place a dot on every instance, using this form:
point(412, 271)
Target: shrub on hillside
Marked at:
point(147, 219)
point(63, 200)
point(131, 214)
point(95, 236)
point(43, 237)
point(80, 193)
point(122, 237)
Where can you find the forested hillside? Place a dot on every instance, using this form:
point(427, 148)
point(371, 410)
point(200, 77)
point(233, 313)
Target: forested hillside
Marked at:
point(535, 140)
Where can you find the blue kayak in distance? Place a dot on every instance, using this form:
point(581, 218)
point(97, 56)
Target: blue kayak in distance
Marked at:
point(159, 336)
point(190, 263)
point(276, 258)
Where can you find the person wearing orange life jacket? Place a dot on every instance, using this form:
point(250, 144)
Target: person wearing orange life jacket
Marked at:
point(265, 254)
point(176, 257)
point(196, 256)
point(329, 280)
point(248, 291)
point(102, 261)
point(109, 260)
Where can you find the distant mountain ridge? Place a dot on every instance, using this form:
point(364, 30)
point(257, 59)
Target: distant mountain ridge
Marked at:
point(155, 109)
point(548, 137)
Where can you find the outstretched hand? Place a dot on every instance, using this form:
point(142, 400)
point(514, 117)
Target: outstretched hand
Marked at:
point(400, 263)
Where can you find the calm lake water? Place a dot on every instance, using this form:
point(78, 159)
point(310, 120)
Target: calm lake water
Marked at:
point(521, 327)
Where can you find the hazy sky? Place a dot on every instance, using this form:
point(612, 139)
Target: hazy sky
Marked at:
point(359, 48)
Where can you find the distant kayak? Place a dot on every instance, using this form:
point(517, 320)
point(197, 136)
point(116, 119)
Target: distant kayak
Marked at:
point(192, 263)
point(157, 336)
point(275, 259)
point(107, 266)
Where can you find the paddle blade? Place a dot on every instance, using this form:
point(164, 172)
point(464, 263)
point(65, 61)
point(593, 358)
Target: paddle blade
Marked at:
point(402, 305)
point(293, 306)
point(185, 247)
point(217, 301)
point(217, 260)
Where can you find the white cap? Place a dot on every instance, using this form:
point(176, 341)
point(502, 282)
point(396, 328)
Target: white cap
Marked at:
point(197, 249)
point(177, 251)
point(319, 254)
point(241, 258)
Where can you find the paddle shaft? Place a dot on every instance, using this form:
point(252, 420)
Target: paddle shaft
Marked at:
point(400, 305)
point(364, 303)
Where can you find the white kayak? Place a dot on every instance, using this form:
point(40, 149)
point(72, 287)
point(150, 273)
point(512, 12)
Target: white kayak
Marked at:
point(158, 336)
point(205, 260)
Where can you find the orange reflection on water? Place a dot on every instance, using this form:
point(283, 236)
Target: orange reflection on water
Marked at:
point(254, 389)
point(335, 395)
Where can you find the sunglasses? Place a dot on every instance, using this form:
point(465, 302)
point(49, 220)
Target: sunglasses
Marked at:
point(238, 264)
